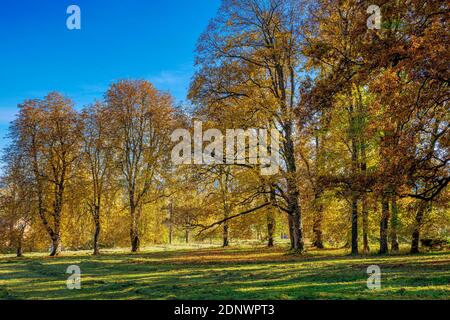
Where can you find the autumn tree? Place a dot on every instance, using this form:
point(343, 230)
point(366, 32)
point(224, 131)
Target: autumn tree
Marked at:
point(141, 118)
point(98, 157)
point(47, 134)
point(17, 209)
point(253, 46)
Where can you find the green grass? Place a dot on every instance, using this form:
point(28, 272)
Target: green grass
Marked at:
point(235, 273)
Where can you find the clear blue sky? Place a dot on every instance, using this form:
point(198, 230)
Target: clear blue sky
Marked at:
point(150, 39)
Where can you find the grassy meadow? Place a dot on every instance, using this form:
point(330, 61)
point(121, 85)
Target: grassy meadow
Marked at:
point(205, 273)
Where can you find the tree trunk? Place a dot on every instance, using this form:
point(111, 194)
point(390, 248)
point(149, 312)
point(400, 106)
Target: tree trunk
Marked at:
point(225, 235)
point(186, 235)
point(384, 224)
point(19, 251)
point(394, 224)
point(354, 223)
point(134, 232)
point(270, 229)
point(298, 235)
point(56, 245)
point(365, 208)
point(353, 131)
point(418, 226)
point(97, 237)
point(291, 230)
point(293, 193)
point(135, 243)
point(295, 211)
point(171, 222)
point(365, 216)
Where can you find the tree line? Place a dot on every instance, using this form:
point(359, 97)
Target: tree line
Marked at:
point(362, 115)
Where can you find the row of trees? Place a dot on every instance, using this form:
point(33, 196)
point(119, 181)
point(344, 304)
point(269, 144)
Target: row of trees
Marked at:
point(122, 142)
point(362, 114)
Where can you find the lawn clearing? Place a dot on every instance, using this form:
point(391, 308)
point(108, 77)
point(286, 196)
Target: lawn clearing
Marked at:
point(233, 273)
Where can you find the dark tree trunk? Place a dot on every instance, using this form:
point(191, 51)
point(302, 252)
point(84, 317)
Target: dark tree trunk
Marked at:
point(225, 235)
point(186, 235)
point(97, 230)
point(270, 229)
point(96, 238)
point(134, 231)
point(354, 223)
point(384, 224)
point(295, 211)
point(56, 245)
point(394, 224)
point(135, 212)
point(365, 208)
point(19, 251)
point(291, 230)
point(298, 236)
point(170, 222)
point(365, 216)
point(353, 130)
point(293, 193)
point(135, 243)
point(418, 226)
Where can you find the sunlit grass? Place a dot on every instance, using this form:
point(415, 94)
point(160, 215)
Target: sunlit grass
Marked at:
point(182, 272)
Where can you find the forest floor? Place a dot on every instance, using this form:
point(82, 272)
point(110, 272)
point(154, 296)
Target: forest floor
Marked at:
point(234, 273)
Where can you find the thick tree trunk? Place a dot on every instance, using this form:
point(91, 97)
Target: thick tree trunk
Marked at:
point(19, 252)
point(97, 237)
point(225, 235)
point(365, 216)
point(295, 211)
point(134, 231)
point(298, 235)
point(394, 224)
point(365, 207)
point(293, 193)
point(186, 235)
point(135, 243)
point(97, 230)
point(170, 222)
point(291, 230)
point(354, 223)
point(384, 224)
point(56, 245)
point(353, 129)
point(418, 226)
point(270, 229)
